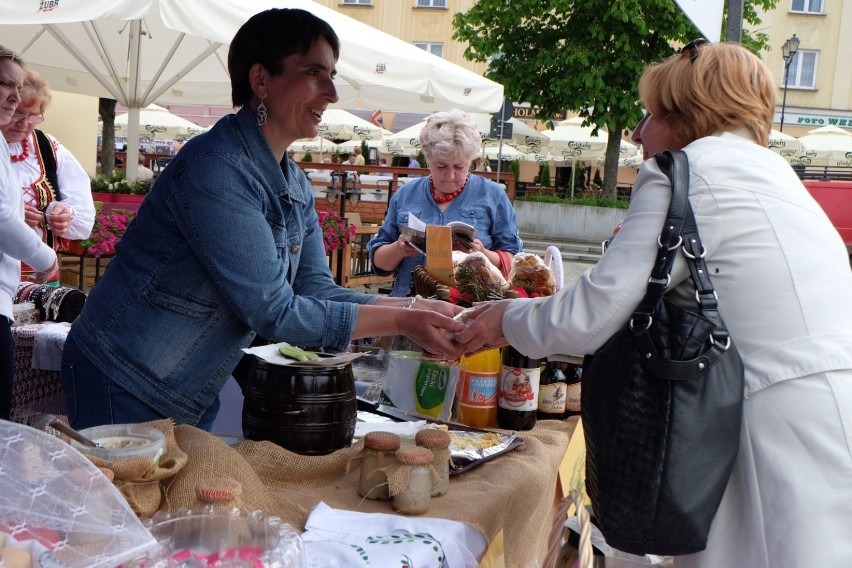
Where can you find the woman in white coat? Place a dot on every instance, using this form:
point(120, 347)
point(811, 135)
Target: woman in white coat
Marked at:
point(17, 241)
point(782, 276)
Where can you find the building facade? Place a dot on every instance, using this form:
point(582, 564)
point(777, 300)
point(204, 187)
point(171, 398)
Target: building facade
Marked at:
point(819, 81)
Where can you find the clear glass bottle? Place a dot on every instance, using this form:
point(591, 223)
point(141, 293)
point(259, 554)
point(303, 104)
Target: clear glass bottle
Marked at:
point(416, 498)
point(379, 452)
point(438, 441)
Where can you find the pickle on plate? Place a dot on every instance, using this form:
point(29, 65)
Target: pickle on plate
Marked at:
point(297, 354)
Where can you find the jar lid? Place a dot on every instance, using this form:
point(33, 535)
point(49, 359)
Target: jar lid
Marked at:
point(218, 490)
point(414, 455)
point(432, 438)
point(381, 440)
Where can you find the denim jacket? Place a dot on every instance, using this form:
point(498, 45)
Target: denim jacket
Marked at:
point(226, 245)
point(482, 204)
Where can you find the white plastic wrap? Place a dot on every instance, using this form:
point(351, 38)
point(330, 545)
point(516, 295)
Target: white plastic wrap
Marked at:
point(52, 494)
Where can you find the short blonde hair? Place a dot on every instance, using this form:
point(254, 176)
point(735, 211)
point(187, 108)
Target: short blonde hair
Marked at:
point(719, 87)
point(35, 90)
point(446, 134)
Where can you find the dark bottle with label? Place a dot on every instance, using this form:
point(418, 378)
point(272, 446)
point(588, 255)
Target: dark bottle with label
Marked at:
point(552, 391)
point(517, 393)
point(573, 370)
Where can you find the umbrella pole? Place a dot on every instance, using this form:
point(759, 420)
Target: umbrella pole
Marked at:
point(573, 171)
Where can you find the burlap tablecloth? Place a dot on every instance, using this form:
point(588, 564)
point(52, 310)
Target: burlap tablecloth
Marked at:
point(514, 492)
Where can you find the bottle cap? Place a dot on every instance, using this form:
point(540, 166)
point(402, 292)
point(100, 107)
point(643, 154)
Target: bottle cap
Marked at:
point(380, 440)
point(432, 438)
point(414, 455)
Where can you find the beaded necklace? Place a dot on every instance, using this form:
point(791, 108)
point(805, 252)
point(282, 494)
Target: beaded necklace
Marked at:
point(25, 151)
point(447, 196)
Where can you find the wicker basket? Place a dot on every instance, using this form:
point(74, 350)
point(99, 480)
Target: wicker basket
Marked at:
point(558, 535)
point(424, 284)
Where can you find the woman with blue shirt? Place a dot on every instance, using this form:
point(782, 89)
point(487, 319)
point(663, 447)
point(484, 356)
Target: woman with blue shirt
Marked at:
point(449, 141)
point(227, 246)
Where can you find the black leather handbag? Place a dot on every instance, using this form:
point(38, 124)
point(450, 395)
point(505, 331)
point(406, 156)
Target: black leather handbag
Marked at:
point(662, 404)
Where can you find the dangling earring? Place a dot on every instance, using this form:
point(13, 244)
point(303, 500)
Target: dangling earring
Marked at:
point(261, 113)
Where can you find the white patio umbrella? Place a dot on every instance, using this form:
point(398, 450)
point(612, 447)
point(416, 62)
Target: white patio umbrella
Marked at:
point(826, 146)
point(784, 144)
point(524, 137)
point(507, 152)
point(316, 145)
point(175, 52)
point(158, 122)
point(572, 142)
point(339, 124)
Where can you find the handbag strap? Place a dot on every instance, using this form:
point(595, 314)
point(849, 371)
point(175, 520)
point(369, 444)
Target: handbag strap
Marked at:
point(679, 231)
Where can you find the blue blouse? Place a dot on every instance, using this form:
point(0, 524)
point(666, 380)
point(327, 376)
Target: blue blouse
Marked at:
point(482, 203)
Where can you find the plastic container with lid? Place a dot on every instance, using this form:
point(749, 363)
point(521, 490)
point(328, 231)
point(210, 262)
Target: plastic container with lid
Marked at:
point(123, 441)
point(438, 441)
point(379, 452)
point(210, 536)
point(416, 497)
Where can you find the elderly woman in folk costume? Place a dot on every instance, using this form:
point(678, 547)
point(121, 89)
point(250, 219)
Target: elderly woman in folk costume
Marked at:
point(57, 192)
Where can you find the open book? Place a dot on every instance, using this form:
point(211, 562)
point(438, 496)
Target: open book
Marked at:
point(414, 233)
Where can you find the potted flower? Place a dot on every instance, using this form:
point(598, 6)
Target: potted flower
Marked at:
point(336, 232)
point(108, 229)
point(115, 188)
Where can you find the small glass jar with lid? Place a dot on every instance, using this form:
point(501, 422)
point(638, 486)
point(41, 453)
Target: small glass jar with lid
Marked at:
point(379, 453)
point(413, 477)
point(438, 441)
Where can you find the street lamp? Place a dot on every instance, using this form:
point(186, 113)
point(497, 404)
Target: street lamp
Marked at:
point(788, 52)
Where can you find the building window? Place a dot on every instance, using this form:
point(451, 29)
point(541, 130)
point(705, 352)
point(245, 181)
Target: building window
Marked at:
point(430, 4)
point(807, 6)
point(802, 72)
point(433, 48)
point(357, 2)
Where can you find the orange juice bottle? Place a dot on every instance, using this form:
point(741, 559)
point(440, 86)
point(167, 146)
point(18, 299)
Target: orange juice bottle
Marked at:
point(478, 379)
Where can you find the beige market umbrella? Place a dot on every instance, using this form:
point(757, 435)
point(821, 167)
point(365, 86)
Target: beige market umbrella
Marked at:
point(784, 144)
point(338, 124)
point(316, 145)
point(158, 122)
point(826, 146)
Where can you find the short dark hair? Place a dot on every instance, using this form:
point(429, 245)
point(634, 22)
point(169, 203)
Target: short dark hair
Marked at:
point(267, 38)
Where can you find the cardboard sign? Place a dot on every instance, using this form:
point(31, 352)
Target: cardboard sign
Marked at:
point(439, 253)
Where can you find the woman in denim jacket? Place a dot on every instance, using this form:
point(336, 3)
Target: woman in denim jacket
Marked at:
point(450, 141)
point(227, 246)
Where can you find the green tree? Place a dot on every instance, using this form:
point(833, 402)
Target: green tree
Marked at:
point(582, 55)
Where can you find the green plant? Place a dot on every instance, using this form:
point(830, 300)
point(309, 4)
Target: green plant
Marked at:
point(421, 159)
point(108, 229)
point(308, 157)
point(544, 175)
point(365, 151)
point(116, 182)
point(515, 166)
point(587, 201)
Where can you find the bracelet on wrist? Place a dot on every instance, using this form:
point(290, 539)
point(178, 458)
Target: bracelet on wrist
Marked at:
point(410, 304)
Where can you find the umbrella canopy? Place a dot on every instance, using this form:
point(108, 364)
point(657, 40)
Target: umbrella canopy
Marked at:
point(507, 152)
point(175, 51)
point(317, 145)
point(826, 146)
point(524, 137)
point(784, 144)
point(337, 124)
point(569, 141)
point(158, 122)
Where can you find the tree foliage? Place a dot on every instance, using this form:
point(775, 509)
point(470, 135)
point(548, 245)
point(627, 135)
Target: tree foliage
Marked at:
point(581, 55)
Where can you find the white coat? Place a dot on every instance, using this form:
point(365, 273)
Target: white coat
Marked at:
point(784, 284)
